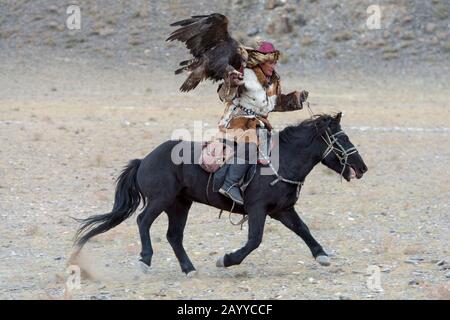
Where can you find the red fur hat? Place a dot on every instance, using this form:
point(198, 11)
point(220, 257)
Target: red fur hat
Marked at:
point(266, 47)
point(266, 52)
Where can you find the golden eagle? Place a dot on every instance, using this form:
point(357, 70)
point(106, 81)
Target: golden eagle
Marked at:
point(215, 52)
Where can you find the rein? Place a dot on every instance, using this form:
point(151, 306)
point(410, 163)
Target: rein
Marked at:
point(279, 178)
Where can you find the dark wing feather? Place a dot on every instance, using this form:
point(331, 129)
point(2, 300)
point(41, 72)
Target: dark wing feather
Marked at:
point(187, 21)
point(215, 52)
point(201, 33)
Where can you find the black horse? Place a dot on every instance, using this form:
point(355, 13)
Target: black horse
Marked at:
point(163, 185)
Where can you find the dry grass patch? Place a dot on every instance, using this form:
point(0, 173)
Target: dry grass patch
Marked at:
point(342, 36)
point(330, 54)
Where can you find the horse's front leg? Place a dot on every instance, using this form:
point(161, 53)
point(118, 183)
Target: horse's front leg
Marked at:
point(256, 221)
point(291, 219)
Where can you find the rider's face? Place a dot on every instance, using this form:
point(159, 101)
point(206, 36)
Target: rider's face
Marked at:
point(268, 67)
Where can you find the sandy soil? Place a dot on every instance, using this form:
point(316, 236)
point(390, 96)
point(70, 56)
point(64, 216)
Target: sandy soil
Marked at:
point(66, 131)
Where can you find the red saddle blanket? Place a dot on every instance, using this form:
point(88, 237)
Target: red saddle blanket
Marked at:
point(214, 154)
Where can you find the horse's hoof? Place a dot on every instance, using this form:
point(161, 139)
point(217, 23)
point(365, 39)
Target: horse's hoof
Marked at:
point(220, 263)
point(192, 274)
point(144, 268)
point(323, 260)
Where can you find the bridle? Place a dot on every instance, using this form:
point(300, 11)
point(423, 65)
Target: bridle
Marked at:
point(331, 139)
point(333, 145)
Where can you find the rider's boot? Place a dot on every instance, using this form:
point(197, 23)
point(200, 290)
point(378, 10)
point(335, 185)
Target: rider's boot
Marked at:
point(245, 155)
point(230, 188)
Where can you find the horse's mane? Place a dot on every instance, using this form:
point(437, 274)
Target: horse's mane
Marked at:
point(303, 131)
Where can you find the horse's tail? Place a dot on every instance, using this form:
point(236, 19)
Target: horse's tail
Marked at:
point(127, 199)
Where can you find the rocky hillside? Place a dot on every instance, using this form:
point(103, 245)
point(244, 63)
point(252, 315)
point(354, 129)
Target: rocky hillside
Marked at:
point(312, 34)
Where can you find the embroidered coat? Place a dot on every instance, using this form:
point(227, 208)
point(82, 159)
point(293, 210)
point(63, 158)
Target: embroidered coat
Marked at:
point(248, 106)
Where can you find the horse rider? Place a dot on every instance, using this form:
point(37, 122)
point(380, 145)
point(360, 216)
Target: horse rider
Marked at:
point(250, 95)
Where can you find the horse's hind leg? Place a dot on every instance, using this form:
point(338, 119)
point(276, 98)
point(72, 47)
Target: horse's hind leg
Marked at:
point(144, 221)
point(177, 214)
point(292, 221)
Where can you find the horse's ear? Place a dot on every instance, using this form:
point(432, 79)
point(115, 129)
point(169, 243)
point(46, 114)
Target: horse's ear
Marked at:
point(338, 117)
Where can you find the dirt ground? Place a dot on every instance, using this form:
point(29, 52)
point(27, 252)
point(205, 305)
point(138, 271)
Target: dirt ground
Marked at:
point(67, 129)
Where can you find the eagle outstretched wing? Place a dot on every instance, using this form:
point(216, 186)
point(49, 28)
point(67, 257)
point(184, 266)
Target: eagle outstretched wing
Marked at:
point(215, 53)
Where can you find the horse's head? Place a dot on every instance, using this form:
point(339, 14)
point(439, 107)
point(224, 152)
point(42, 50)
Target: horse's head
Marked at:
point(339, 152)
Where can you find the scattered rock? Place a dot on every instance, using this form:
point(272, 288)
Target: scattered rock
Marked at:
point(434, 41)
point(441, 262)
point(442, 35)
point(300, 20)
point(312, 280)
point(336, 270)
point(253, 32)
point(52, 9)
point(54, 25)
point(414, 260)
point(430, 27)
point(280, 27)
point(357, 272)
point(342, 36)
point(286, 26)
point(409, 261)
point(406, 44)
point(330, 54)
point(272, 4)
point(444, 267)
point(243, 274)
point(408, 36)
point(413, 283)
point(408, 19)
point(244, 288)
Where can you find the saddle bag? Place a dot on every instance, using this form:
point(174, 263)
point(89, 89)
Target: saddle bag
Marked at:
point(214, 154)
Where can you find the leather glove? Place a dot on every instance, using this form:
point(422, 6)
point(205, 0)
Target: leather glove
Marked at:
point(235, 78)
point(303, 95)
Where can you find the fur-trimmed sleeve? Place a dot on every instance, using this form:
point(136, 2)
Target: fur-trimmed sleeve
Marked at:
point(288, 102)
